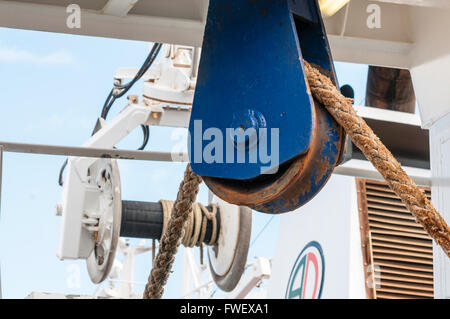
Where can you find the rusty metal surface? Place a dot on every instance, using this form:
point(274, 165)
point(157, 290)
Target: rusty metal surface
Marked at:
point(296, 182)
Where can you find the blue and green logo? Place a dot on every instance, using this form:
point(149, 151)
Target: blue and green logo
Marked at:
point(308, 273)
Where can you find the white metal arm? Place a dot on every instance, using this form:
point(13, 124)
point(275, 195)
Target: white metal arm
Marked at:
point(171, 83)
point(76, 241)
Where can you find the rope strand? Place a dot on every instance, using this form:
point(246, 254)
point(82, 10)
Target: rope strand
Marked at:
point(364, 138)
point(341, 109)
point(171, 238)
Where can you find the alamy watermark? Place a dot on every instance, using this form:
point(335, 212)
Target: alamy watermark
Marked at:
point(374, 19)
point(374, 274)
point(233, 145)
point(73, 20)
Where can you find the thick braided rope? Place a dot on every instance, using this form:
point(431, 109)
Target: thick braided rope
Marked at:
point(413, 197)
point(171, 239)
point(196, 224)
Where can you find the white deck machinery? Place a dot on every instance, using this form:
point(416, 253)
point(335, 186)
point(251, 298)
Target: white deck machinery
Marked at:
point(369, 246)
point(94, 216)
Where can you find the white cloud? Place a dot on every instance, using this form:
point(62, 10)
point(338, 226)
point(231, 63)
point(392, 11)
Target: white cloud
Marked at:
point(13, 54)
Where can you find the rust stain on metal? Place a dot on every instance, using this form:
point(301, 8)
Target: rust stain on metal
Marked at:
point(296, 182)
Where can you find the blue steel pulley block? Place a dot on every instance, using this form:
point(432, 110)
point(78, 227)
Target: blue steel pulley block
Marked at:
point(257, 137)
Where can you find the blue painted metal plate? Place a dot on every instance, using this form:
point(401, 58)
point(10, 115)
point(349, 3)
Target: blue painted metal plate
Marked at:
point(251, 76)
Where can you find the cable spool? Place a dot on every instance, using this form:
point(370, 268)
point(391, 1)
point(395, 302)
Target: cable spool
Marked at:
point(195, 230)
point(105, 178)
point(228, 257)
point(224, 228)
point(228, 242)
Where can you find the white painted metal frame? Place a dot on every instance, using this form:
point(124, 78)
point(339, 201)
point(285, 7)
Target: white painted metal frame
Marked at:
point(363, 168)
point(126, 282)
point(440, 165)
point(193, 284)
point(119, 8)
point(181, 30)
point(93, 152)
point(75, 241)
point(424, 3)
point(253, 276)
point(391, 116)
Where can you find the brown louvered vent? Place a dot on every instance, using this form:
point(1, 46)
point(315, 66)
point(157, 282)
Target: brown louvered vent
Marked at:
point(398, 253)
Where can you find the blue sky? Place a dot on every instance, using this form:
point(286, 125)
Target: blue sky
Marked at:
point(52, 89)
